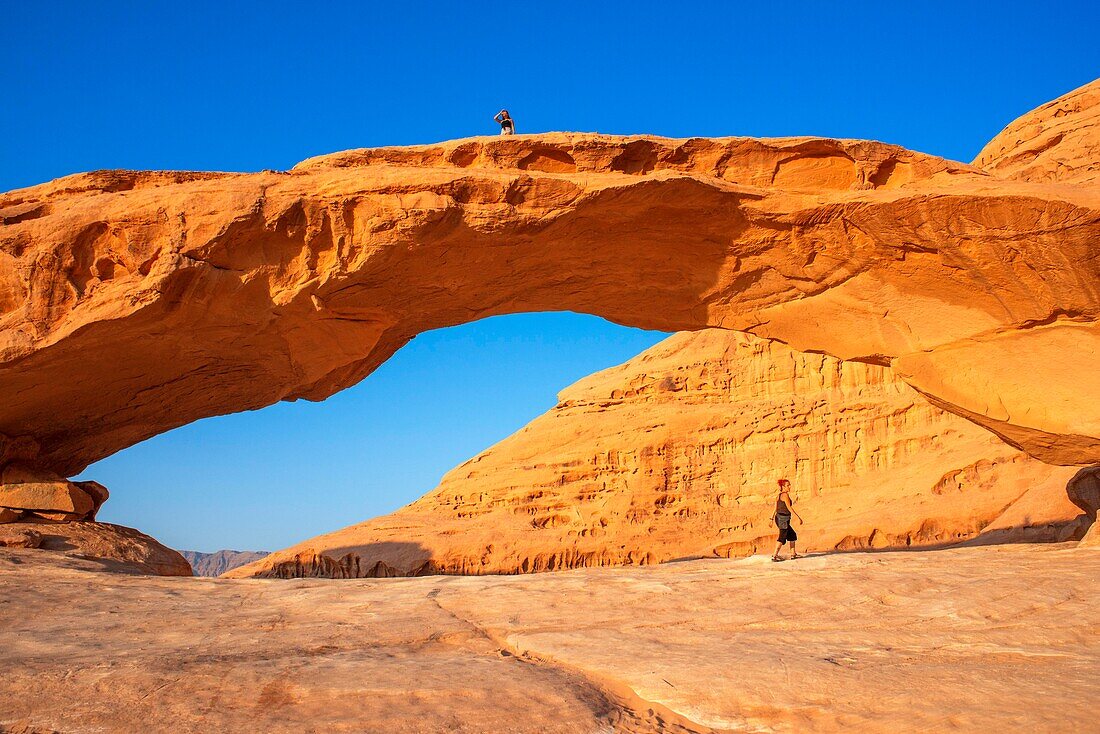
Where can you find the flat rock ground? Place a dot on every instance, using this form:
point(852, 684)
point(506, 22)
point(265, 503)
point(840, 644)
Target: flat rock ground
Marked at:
point(988, 639)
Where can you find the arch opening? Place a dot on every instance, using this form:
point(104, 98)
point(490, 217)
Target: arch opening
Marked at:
point(266, 479)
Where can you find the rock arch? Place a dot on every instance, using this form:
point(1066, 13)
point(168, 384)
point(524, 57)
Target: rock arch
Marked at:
point(135, 302)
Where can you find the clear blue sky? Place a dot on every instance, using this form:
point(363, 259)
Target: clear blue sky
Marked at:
point(245, 86)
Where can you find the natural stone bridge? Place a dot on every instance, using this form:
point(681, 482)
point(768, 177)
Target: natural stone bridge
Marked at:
point(135, 302)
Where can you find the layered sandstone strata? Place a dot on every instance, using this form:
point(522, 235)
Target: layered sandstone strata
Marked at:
point(134, 302)
point(676, 453)
point(41, 496)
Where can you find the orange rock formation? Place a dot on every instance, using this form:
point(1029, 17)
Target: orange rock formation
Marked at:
point(131, 303)
point(675, 454)
point(1059, 141)
point(35, 495)
point(135, 302)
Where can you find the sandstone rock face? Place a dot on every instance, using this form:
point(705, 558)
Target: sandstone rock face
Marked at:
point(217, 563)
point(135, 302)
point(1084, 491)
point(1059, 141)
point(98, 493)
point(112, 547)
point(63, 497)
point(38, 495)
point(676, 454)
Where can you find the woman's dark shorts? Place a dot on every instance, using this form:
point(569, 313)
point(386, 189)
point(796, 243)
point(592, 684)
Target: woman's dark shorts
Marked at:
point(787, 534)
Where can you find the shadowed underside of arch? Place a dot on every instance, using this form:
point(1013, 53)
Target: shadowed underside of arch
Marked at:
point(135, 302)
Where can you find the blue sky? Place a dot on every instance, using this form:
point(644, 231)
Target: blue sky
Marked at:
point(246, 86)
point(267, 479)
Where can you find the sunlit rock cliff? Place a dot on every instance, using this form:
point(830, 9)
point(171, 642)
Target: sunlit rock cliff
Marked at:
point(676, 453)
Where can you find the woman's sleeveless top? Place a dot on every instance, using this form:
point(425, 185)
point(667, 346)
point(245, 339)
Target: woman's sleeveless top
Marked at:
point(781, 507)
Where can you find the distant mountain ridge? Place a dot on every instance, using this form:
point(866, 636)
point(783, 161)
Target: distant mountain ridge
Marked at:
point(218, 562)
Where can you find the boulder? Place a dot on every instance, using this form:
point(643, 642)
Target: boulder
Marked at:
point(97, 492)
point(1084, 491)
point(48, 497)
point(39, 494)
point(1041, 513)
point(20, 537)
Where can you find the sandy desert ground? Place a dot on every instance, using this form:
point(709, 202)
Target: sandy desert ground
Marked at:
point(981, 639)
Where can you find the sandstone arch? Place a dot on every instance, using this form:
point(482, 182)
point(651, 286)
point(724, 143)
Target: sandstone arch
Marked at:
point(135, 302)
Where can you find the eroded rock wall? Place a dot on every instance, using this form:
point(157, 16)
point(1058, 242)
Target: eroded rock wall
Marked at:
point(676, 454)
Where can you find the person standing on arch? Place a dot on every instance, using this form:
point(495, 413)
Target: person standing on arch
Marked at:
point(782, 517)
point(507, 124)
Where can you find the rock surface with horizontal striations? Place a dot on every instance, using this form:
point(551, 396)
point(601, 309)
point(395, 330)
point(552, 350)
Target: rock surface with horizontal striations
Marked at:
point(676, 454)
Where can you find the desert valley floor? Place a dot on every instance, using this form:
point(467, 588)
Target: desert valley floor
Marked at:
point(979, 639)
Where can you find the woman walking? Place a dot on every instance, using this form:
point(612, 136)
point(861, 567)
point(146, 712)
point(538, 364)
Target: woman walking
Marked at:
point(783, 510)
